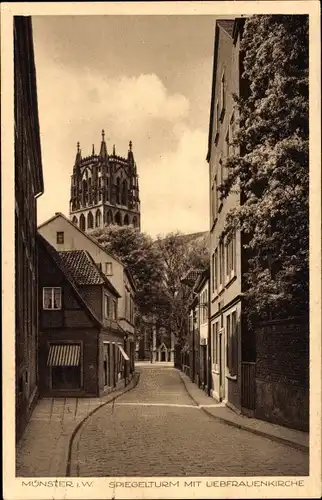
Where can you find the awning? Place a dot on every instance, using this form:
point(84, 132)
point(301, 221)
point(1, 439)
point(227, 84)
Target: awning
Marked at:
point(125, 356)
point(64, 355)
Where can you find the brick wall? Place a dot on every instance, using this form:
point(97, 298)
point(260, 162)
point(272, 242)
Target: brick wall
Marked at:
point(282, 372)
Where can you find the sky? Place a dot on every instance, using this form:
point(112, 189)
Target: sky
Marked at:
point(141, 78)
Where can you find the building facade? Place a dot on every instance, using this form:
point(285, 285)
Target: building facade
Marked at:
point(201, 288)
point(104, 189)
point(194, 356)
point(28, 186)
point(63, 235)
point(82, 349)
point(226, 284)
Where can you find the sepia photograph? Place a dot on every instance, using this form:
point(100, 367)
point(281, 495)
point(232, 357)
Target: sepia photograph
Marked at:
point(162, 273)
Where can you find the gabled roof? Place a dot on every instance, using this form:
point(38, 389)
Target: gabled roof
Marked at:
point(230, 28)
point(69, 277)
point(93, 240)
point(84, 270)
point(191, 276)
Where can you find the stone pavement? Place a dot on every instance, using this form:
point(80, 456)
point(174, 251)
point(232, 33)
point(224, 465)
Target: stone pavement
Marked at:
point(157, 429)
point(296, 439)
point(43, 448)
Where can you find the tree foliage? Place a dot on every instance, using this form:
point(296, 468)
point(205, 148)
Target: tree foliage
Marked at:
point(157, 268)
point(271, 164)
point(138, 253)
point(180, 254)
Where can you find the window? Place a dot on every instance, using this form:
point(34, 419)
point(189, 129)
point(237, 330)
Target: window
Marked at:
point(213, 273)
point(204, 306)
point(108, 268)
point(232, 133)
point(90, 220)
point(227, 145)
point(98, 218)
point(216, 269)
point(222, 95)
point(221, 264)
point(60, 237)
point(106, 364)
point(114, 310)
point(106, 306)
point(221, 171)
point(217, 121)
point(232, 344)
point(231, 258)
point(51, 298)
point(215, 199)
point(215, 343)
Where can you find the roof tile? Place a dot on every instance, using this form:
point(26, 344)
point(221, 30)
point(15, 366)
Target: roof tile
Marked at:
point(83, 270)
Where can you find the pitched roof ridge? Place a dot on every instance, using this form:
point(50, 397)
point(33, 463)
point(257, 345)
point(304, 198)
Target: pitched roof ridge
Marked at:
point(60, 214)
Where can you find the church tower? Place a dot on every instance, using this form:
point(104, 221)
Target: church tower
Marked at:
point(104, 189)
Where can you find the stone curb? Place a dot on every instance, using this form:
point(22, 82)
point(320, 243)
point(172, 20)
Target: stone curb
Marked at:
point(272, 437)
point(132, 384)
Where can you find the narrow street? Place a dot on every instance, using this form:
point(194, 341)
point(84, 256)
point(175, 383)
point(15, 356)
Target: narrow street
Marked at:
point(157, 430)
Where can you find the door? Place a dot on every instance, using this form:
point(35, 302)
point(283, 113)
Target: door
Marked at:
point(163, 356)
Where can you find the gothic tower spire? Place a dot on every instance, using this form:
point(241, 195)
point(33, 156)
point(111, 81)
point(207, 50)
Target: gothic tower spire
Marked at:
point(78, 154)
point(103, 151)
point(130, 153)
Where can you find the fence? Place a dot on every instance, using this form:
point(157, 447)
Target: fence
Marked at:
point(248, 385)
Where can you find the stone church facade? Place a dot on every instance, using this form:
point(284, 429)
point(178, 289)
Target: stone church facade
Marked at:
point(104, 189)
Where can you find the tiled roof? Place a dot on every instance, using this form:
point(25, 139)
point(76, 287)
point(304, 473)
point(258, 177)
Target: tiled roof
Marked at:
point(227, 25)
point(80, 266)
point(191, 276)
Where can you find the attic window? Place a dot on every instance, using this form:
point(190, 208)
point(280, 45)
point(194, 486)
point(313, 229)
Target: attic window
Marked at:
point(108, 269)
point(60, 237)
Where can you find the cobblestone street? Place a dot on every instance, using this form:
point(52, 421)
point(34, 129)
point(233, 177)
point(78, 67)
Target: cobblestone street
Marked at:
point(158, 430)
